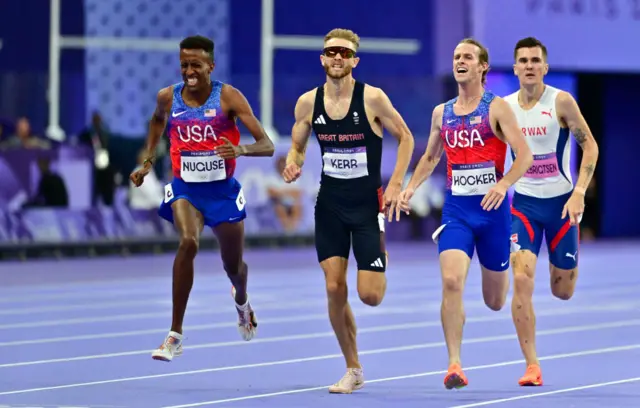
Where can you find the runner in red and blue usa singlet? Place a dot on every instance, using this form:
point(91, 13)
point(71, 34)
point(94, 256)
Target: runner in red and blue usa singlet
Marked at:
point(201, 176)
point(475, 164)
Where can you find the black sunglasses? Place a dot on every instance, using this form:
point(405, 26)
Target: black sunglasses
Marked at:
point(343, 51)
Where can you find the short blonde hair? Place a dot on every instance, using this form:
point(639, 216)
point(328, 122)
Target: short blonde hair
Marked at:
point(343, 34)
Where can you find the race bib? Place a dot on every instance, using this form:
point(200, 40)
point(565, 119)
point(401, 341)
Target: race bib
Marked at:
point(472, 179)
point(345, 163)
point(544, 165)
point(202, 167)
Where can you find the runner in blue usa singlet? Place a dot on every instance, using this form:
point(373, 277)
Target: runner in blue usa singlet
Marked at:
point(475, 163)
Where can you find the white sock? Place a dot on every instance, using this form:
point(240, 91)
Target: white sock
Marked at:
point(176, 335)
point(245, 306)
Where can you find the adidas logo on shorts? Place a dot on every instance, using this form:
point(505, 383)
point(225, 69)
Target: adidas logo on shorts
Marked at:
point(378, 263)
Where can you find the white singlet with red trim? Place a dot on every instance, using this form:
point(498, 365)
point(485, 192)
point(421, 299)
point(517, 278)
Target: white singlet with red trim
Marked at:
point(550, 174)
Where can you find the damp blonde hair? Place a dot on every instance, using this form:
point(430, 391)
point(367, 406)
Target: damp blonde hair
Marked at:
point(343, 34)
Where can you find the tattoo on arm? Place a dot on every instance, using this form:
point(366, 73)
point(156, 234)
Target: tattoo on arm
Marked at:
point(587, 171)
point(580, 136)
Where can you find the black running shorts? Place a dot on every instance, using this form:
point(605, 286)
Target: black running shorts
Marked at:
point(339, 224)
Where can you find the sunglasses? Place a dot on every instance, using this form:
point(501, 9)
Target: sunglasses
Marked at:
point(343, 51)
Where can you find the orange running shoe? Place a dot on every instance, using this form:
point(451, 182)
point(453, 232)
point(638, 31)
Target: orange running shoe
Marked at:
point(531, 377)
point(455, 377)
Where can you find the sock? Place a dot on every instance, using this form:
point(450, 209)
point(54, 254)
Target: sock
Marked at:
point(244, 307)
point(176, 335)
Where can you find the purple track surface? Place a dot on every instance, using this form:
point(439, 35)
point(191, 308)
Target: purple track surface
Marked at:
point(78, 333)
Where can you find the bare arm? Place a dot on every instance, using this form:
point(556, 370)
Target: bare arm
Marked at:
point(157, 123)
point(301, 129)
point(508, 123)
point(396, 126)
point(570, 112)
point(432, 154)
point(238, 104)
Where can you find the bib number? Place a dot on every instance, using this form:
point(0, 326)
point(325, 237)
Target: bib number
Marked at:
point(472, 179)
point(202, 167)
point(345, 163)
point(544, 165)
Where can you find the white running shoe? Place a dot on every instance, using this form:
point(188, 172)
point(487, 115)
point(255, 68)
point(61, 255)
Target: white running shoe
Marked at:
point(247, 322)
point(172, 347)
point(351, 381)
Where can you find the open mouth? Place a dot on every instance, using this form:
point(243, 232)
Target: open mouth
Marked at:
point(461, 70)
point(192, 81)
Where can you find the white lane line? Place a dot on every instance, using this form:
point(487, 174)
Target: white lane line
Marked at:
point(211, 285)
point(404, 377)
point(276, 305)
point(543, 394)
point(614, 307)
point(207, 285)
point(150, 303)
point(412, 347)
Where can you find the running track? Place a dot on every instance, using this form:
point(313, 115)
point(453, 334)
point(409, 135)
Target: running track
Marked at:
point(78, 333)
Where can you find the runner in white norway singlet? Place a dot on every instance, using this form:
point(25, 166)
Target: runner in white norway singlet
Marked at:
point(550, 174)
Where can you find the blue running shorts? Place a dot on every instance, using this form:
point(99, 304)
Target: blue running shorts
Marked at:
point(534, 216)
point(466, 226)
point(218, 201)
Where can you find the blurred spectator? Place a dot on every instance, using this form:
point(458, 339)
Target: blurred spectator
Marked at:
point(286, 198)
point(52, 191)
point(97, 137)
point(427, 201)
point(149, 195)
point(23, 138)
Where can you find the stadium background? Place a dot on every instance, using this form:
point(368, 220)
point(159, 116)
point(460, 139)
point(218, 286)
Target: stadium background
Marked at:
point(115, 55)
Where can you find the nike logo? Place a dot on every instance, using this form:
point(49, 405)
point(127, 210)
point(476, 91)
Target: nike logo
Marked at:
point(504, 263)
point(176, 114)
point(450, 121)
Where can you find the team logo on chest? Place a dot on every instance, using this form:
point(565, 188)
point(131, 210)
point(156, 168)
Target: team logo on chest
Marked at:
point(463, 138)
point(534, 131)
point(539, 123)
point(197, 133)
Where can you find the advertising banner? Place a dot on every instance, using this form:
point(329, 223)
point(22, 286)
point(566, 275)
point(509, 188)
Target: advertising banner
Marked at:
point(274, 208)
